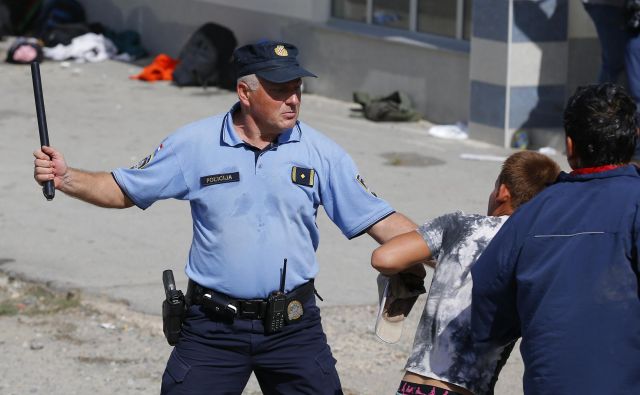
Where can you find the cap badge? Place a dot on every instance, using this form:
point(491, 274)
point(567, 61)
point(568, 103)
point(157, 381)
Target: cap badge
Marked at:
point(280, 50)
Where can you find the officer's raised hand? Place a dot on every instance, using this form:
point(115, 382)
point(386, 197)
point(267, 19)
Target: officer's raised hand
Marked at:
point(98, 188)
point(49, 164)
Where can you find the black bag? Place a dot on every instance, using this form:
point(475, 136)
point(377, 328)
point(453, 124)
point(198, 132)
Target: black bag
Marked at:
point(64, 33)
point(58, 12)
point(22, 14)
point(205, 58)
point(6, 26)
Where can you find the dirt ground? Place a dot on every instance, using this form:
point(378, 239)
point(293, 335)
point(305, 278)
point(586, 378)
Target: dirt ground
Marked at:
point(62, 342)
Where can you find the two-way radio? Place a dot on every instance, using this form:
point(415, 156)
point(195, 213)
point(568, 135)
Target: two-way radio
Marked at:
point(276, 305)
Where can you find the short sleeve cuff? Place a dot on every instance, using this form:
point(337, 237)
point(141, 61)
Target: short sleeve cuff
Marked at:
point(362, 228)
point(427, 237)
point(118, 179)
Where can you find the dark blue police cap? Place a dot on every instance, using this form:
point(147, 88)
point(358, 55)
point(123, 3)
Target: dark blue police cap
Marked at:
point(272, 60)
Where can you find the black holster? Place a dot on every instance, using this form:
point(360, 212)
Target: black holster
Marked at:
point(173, 310)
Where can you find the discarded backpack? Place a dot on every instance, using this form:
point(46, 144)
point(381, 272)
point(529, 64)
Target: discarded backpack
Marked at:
point(57, 12)
point(18, 16)
point(205, 58)
point(395, 107)
point(6, 25)
point(64, 33)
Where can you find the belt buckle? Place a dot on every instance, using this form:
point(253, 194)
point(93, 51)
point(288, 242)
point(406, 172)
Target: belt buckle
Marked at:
point(250, 309)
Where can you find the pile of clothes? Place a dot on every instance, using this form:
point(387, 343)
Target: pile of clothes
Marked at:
point(58, 30)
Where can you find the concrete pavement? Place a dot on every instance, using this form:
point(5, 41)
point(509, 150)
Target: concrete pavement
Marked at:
point(100, 120)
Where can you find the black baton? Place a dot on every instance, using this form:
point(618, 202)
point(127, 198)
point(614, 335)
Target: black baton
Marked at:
point(48, 188)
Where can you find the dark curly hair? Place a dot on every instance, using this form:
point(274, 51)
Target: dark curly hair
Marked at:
point(601, 121)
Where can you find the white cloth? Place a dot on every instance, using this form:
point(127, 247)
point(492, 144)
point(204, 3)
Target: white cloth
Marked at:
point(89, 47)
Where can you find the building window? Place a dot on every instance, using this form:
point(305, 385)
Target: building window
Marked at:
point(352, 10)
point(450, 18)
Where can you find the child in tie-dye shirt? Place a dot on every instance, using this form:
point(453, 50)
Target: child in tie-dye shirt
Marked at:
point(443, 359)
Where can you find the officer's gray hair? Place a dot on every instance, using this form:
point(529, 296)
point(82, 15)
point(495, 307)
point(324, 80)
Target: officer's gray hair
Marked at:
point(251, 81)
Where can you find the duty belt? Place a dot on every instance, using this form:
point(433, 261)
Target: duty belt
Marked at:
point(250, 309)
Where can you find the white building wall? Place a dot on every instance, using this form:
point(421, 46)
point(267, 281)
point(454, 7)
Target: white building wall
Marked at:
point(435, 76)
point(308, 10)
point(346, 61)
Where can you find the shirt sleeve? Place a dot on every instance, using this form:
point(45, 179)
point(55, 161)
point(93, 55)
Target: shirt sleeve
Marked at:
point(347, 200)
point(158, 176)
point(433, 232)
point(494, 315)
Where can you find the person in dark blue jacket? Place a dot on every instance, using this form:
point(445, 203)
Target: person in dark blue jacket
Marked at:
point(563, 272)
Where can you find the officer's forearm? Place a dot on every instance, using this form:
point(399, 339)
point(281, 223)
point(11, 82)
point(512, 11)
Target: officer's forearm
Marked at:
point(97, 188)
point(393, 225)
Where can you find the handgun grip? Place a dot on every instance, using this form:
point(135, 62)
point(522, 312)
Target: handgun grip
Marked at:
point(169, 283)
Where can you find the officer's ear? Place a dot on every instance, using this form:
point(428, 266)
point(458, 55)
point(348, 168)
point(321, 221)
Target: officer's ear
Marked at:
point(244, 91)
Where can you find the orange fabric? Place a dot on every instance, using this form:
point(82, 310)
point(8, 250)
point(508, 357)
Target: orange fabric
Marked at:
point(161, 69)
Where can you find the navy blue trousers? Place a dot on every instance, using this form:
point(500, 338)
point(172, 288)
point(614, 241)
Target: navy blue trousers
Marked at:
point(217, 357)
point(620, 50)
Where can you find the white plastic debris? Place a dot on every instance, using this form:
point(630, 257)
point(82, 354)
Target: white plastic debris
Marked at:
point(107, 325)
point(491, 158)
point(88, 47)
point(451, 132)
point(547, 151)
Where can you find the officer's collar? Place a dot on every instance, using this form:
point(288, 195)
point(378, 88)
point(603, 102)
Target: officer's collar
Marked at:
point(231, 138)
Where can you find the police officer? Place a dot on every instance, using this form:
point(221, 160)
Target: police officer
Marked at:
point(255, 178)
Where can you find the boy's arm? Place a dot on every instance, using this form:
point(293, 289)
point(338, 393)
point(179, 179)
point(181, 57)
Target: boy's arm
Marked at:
point(400, 253)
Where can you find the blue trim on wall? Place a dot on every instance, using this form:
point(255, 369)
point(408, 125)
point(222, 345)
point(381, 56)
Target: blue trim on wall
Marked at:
point(540, 21)
point(490, 19)
point(487, 104)
point(536, 106)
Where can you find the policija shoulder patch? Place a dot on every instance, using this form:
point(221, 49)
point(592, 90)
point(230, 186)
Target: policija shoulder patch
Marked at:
point(219, 179)
point(302, 176)
point(144, 162)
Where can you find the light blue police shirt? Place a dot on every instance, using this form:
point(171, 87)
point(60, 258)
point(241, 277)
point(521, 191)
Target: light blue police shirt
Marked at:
point(250, 213)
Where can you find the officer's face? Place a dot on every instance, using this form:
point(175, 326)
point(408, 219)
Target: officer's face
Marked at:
point(275, 105)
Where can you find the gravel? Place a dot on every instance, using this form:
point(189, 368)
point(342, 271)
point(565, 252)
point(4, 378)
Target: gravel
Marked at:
point(61, 342)
point(58, 341)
